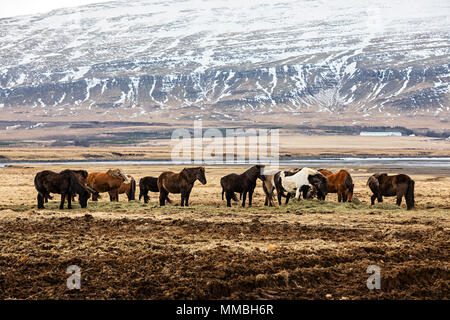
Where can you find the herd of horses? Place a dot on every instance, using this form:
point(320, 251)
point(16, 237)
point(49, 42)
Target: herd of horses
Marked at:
point(301, 182)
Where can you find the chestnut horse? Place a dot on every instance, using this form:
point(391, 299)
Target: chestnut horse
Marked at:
point(147, 184)
point(399, 185)
point(181, 182)
point(66, 183)
point(340, 183)
point(106, 182)
point(128, 188)
point(242, 183)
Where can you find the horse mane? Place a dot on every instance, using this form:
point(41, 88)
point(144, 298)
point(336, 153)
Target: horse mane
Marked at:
point(82, 173)
point(254, 171)
point(75, 184)
point(189, 173)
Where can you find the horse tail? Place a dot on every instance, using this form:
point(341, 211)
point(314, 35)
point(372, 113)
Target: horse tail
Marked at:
point(234, 196)
point(41, 195)
point(132, 191)
point(167, 199)
point(410, 195)
point(141, 189)
point(349, 182)
point(223, 191)
point(41, 190)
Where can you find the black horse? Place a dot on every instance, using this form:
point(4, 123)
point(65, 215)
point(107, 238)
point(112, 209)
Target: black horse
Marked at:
point(66, 183)
point(398, 186)
point(242, 183)
point(147, 184)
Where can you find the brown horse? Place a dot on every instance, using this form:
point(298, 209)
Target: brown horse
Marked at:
point(128, 188)
point(65, 183)
point(340, 183)
point(106, 182)
point(399, 185)
point(242, 183)
point(147, 184)
point(181, 182)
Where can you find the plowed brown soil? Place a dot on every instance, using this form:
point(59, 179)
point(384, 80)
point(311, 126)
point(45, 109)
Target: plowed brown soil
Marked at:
point(306, 250)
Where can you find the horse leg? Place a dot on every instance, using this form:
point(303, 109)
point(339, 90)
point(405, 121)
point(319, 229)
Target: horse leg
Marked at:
point(399, 199)
point(69, 201)
point(345, 197)
point(297, 194)
point(244, 196)
point(162, 196)
point(279, 198)
point(372, 199)
point(250, 196)
point(146, 197)
point(340, 198)
point(270, 198)
point(229, 197)
point(63, 198)
point(288, 196)
point(40, 201)
point(183, 197)
point(187, 198)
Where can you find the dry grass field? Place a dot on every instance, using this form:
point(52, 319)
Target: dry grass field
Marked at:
point(305, 250)
point(290, 145)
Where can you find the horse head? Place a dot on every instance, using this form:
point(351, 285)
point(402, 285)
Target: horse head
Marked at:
point(319, 181)
point(200, 175)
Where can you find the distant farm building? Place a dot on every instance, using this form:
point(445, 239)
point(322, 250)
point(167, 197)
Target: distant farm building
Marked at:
point(381, 134)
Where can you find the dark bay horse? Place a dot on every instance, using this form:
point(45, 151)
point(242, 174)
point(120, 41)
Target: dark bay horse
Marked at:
point(182, 182)
point(128, 188)
point(81, 175)
point(147, 184)
point(399, 185)
point(65, 183)
point(340, 183)
point(109, 181)
point(242, 183)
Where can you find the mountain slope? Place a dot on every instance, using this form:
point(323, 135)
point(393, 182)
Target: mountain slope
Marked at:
point(176, 59)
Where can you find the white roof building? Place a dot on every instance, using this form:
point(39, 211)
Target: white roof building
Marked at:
point(380, 134)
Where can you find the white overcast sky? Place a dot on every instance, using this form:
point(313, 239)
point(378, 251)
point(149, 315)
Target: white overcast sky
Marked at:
point(11, 8)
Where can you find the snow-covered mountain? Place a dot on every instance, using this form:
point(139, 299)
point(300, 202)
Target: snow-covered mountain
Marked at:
point(222, 59)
